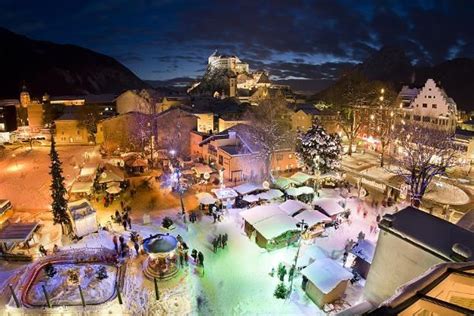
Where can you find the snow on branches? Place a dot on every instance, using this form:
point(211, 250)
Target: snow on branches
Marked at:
point(318, 150)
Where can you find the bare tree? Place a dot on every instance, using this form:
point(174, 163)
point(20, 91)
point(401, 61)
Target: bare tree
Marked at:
point(423, 154)
point(271, 129)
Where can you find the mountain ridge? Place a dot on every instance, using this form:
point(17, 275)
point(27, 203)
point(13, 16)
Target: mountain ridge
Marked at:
point(59, 69)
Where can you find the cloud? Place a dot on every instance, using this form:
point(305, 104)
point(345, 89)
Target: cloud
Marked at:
point(298, 38)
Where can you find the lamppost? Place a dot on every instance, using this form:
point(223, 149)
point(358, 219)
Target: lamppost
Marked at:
point(317, 174)
point(302, 226)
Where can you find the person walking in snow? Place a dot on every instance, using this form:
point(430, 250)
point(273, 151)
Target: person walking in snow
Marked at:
point(115, 241)
point(224, 240)
point(219, 240)
point(201, 259)
point(137, 247)
point(214, 244)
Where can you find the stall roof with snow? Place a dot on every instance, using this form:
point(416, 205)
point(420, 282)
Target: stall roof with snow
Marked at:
point(326, 274)
point(431, 233)
point(284, 183)
point(250, 198)
point(81, 187)
point(247, 188)
point(225, 193)
point(17, 232)
point(275, 226)
point(312, 217)
point(290, 207)
point(111, 174)
point(205, 198)
point(270, 194)
point(261, 212)
point(329, 206)
point(365, 250)
point(80, 208)
point(202, 169)
point(301, 177)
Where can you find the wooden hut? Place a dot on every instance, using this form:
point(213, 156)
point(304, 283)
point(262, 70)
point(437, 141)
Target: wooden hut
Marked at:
point(324, 281)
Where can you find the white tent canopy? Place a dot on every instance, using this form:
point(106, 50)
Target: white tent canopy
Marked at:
point(113, 189)
point(326, 274)
point(247, 188)
point(259, 213)
point(312, 217)
point(330, 206)
point(225, 193)
point(290, 207)
point(275, 226)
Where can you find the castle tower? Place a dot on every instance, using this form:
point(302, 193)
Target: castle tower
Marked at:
point(25, 98)
point(232, 86)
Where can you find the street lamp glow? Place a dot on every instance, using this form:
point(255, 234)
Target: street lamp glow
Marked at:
point(172, 152)
point(382, 90)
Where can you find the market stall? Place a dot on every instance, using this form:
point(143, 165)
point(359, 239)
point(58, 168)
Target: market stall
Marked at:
point(83, 216)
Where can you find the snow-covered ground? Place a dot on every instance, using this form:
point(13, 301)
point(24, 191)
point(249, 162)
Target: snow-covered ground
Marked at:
point(24, 174)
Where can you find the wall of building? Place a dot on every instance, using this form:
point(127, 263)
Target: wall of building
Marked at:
point(395, 262)
point(205, 122)
point(129, 101)
point(70, 132)
point(226, 124)
point(8, 120)
point(300, 121)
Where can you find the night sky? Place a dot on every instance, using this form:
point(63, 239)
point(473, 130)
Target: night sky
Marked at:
point(291, 39)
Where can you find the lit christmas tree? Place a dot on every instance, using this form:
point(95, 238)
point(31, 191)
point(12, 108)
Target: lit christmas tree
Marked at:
point(58, 191)
point(318, 150)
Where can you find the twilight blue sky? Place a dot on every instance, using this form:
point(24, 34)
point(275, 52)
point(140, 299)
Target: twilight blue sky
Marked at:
point(292, 39)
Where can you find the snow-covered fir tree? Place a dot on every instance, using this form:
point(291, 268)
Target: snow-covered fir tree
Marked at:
point(319, 150)
point(58, 192)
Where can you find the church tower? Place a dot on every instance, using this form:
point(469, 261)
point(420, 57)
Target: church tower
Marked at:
point(25, 98)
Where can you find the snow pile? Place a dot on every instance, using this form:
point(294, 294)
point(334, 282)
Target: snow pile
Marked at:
point(365, 250)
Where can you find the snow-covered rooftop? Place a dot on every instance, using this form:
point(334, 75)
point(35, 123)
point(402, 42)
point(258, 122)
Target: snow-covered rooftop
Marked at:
point(330, 206)
point(284, 183)
point(429, 232)
point(365, 250)
point(326, 274)
point(275, 226)
point(290, 207)
point(300, 177)
point(259, 213)
point(312, 217)
point(270, 194)
point(246, 188)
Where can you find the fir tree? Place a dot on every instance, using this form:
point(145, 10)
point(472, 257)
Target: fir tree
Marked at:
point(59, 204)
point(318, 150)
point(281, 291)
point(281, 271)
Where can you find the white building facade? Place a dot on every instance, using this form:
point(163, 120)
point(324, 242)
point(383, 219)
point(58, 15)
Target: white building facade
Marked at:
point(432, 108)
